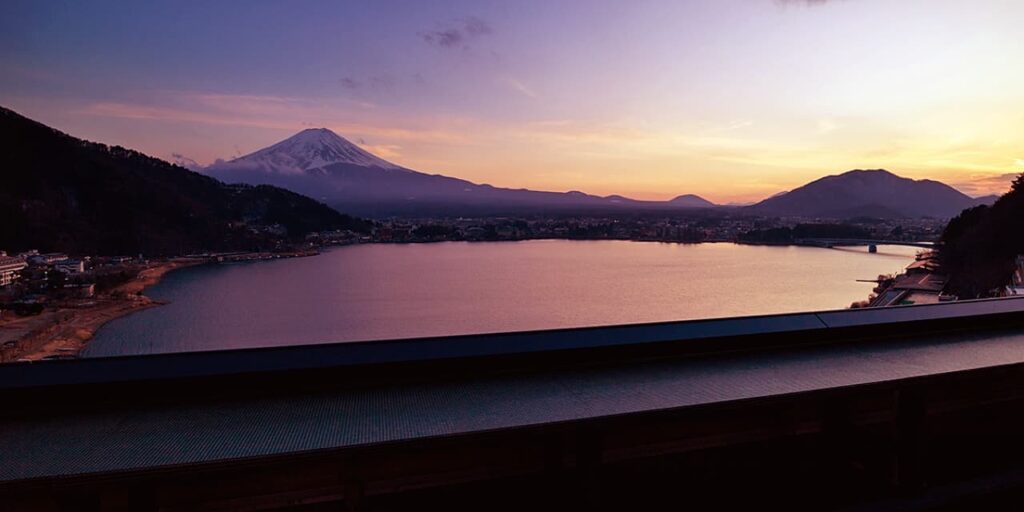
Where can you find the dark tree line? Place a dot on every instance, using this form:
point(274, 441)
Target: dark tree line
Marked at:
point(790, 235)
point(980, 246)
point(60, 193)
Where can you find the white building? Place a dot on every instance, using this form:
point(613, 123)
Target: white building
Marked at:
point(47, 259)
point(70, 266)
point(10, 269)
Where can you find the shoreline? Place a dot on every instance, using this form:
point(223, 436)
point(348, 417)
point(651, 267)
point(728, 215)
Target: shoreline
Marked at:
point(886, 243)
point(65, 331)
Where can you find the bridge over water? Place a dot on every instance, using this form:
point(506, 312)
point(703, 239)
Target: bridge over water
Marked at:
point(852, 242)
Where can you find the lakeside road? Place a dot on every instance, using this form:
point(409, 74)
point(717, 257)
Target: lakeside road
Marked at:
point(64, 332)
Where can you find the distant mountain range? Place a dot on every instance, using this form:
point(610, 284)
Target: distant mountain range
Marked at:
point(59, 193)
point(323, 165)
point(873, 193)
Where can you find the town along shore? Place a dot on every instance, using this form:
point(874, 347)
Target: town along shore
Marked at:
point(63, 328)
point(63, 331)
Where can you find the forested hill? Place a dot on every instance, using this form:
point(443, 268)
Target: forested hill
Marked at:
point(870, 193)
point(980, 245)
point(60, 193)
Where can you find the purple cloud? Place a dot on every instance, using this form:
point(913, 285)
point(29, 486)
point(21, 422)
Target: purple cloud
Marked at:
point(987, 184)
point(458, 33)
point(371, 84)
point(186, 162)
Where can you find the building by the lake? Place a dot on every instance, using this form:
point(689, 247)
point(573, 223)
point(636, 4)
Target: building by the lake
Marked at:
point(10, 268)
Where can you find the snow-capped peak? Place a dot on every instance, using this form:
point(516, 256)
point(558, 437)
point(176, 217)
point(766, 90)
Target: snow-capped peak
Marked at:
point(310, 149)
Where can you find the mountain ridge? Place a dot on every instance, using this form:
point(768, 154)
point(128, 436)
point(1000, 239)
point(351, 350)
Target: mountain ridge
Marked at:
point(872, 193)
point(66, 194)
point(326, 166)
point(365, 184)
point(308, 149)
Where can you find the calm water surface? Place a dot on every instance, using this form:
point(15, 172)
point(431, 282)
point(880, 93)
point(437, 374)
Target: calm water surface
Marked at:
point(397, 291)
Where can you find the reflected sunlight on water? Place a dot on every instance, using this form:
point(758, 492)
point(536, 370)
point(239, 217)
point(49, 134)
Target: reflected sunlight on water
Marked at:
point(399, 291)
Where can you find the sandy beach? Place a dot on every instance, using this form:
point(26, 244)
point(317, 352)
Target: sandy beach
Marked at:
point(65, 331)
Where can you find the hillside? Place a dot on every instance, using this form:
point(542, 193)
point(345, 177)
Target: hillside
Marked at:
point(691, 201)
point(980, 245)
point(873, 193)
point(64, 194)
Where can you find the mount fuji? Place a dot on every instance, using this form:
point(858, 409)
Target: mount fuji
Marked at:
point(325, 166)
point(314, 148)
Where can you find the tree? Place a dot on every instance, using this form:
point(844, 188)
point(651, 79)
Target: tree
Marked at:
point(55, 279)
point(979, 247)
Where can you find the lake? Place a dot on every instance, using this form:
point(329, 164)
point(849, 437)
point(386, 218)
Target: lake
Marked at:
point(367, 292)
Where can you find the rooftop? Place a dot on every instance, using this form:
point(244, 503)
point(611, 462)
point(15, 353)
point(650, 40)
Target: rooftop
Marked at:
point(203, 428)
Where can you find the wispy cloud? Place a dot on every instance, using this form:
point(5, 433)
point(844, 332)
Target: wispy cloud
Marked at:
point(738, 124)
point(458, 33)
point(286, 114)
point(521, 88)
point(985, 184)
point(185, 162)
point(827, 125)
point(465, 146)
point(383, 82)
point(805, 2)
point(350, 83)
point(385, 151)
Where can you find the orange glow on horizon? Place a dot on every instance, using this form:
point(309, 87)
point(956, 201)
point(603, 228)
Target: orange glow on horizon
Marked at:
point(733, 101)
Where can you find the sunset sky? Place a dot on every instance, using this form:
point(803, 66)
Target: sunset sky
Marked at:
point(734, 100)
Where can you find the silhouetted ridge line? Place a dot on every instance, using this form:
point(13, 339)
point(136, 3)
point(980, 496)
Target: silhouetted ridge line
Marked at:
point(65, 194)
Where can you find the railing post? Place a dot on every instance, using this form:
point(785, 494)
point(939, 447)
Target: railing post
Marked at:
point(589, 456)
point(908, 438)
